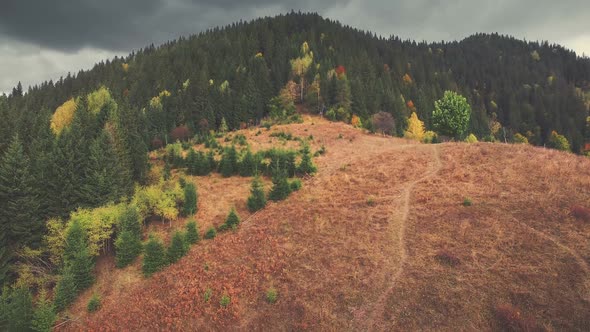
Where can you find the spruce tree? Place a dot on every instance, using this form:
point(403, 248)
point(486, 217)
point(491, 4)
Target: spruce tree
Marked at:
point(129, 221)
point(65, 290)
point(44, 315)
point(177, 247)
point(281, 188)
point(257, 199)
point(306, 165)
point(75, 240)
point(19, 220)
point(190, 199)
point(247, 165)
point(154, 258)
point(20, 310)
point(229, 162)
point(192, 232)
point(104, 182)
point(167, 173)
point(127, 247)
point(232, 219)
point(81, 267)
point(192, 164)
point(203, 166)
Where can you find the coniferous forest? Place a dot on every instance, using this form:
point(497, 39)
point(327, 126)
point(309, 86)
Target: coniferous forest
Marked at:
point(82, 141)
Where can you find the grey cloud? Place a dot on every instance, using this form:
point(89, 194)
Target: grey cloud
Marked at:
point(50, 38)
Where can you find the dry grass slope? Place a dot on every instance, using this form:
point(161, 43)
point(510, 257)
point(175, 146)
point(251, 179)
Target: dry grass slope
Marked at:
point(357, 247)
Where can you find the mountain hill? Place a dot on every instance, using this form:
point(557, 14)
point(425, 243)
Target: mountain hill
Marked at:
point(380, 239)
point(101, 173)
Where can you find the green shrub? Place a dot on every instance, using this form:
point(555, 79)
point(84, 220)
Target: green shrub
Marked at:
point(94, 303)
point(192, 232)
point(451, 115)
point(282, 135)
point(520, 139)
point(467, 202)
point(295, 185)
point(225, 301)
point(211, 233)
point(558, 142)
point(471, 139)
point(272, 295)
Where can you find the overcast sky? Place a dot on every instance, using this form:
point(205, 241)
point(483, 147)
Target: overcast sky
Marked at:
point(42, 40)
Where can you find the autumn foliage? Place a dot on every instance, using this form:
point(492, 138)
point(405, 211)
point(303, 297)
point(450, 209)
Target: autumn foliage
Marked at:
point(415, 128)
point(63, 116)
point(340, 70)
point(180, 133)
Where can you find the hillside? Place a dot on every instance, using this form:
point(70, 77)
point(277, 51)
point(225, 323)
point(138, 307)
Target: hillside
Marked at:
point(356, 248)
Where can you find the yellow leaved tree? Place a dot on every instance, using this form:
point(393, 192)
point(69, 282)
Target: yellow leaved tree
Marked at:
point(63, 116)
point(415, 128)
point(300, 65)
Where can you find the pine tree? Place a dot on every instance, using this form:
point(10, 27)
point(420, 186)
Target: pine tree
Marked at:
point(19, 220)
point(257, 199)
point(192, 232)
point(177, 247)
point(280, 189)
point(306, 165)
point(127, 247)
point(154, 258)
point(65, 290)
point(20, 310)
point(190, 199)
point(44, 316)
point(167, 173)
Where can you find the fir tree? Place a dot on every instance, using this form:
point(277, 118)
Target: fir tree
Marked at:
point(211, 160)
point(44, 316)
point(192, 232)
point(177, 247)
point(306, 165)
point(257, 199)
point(203, 164)
point(232, 220)
point(129, 221)
point(65, 290)
point(280, 189)
point(154, 258)
point(75, 240)
point(190, 199)
point(167, 173)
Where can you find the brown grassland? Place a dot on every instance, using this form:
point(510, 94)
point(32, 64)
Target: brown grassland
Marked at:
point(378, 239)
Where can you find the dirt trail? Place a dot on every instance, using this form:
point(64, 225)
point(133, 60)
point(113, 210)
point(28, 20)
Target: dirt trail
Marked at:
point(378, 307)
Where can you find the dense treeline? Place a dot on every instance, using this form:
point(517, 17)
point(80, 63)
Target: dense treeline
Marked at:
point(81, 142)
point(232, 72)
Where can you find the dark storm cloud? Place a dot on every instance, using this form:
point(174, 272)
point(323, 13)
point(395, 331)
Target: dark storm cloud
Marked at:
point(117, 25)
point(51, 37)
